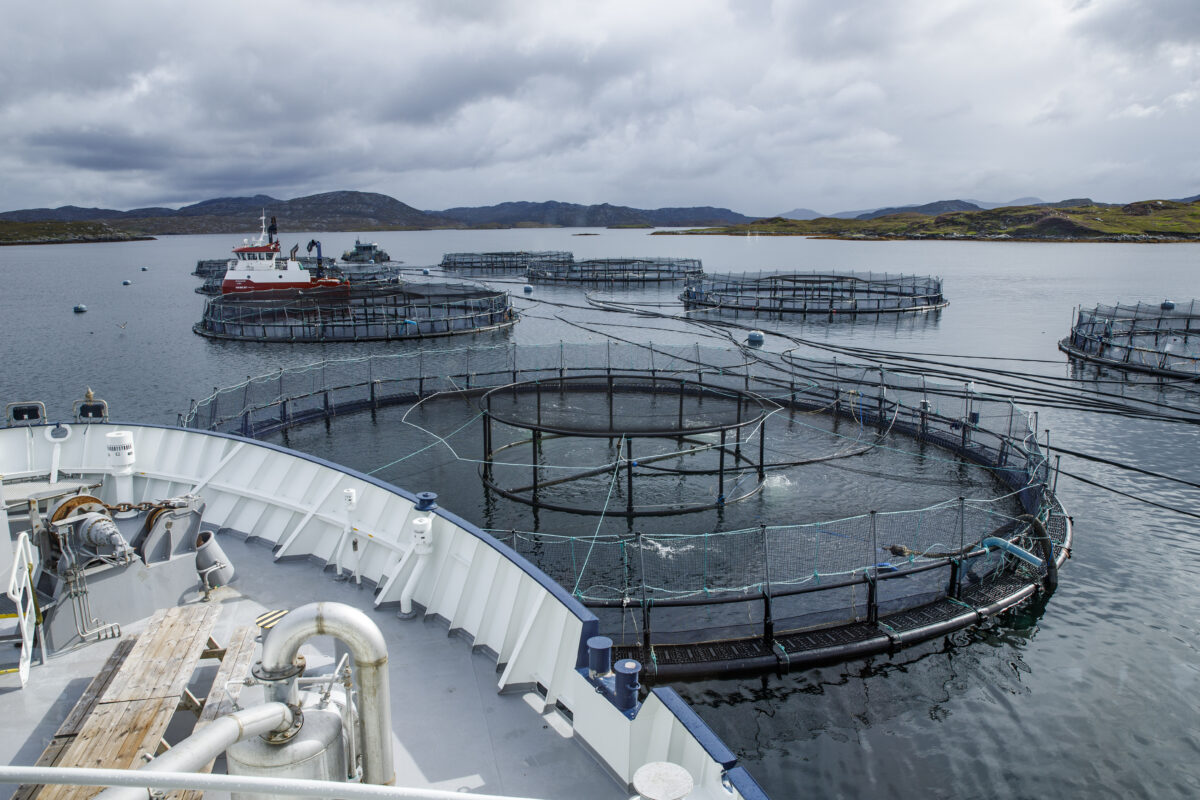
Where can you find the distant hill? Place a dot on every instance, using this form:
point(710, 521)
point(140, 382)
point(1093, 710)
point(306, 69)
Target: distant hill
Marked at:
point(851, 214)
point(938, 207)
point(229, 206)
point(364, 211)
point(801, 213)
point(1076, 220)
point(330, 211)
point(574, 215)
point(1020, 201)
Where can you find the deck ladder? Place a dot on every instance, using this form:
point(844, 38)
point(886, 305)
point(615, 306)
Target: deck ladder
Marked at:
point(21, 592)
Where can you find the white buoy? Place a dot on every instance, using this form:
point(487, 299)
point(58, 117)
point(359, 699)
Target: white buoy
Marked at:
point(126, 283)
point(755, 337)
point(424, 272)
point(80, 308)
point(528, 289)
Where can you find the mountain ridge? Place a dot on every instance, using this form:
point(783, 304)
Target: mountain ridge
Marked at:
point(353, 210)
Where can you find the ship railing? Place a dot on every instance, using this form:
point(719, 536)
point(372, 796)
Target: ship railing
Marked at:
point(160, 783)
point(534, 629)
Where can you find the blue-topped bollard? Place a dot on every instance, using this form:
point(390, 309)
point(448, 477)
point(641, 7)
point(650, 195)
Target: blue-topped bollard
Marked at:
point(625, 692)
point(599, 656)
point(426, 501)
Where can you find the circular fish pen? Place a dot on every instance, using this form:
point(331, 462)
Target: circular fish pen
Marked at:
point(1160, 339)
point(505, 261)
point(815, 293)
point(618, 271)
point(824, 563)
point(356, 313)
point(651, 425)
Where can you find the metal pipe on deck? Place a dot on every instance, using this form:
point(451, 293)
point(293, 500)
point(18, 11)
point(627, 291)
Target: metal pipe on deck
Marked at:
point(366, 643)
point(209, 742)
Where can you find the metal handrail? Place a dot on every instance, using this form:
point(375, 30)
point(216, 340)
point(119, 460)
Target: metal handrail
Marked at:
point(21, 592)
point(78, 776)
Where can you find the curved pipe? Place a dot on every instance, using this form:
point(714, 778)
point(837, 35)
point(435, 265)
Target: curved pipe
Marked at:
point(1050, 582)
point(204, 745)
point(365, 642)
point(1013, 550)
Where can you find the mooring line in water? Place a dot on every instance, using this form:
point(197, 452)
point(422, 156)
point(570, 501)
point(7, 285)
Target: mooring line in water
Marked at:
point(1139, 498)
point(1044, 390)
point(1120, 465)
point(603, 512)
point(440, 440)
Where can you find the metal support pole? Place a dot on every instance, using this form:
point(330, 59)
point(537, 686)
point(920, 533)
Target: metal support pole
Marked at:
point(646, 646)
point(721, 472)
point(537, 444)
point(762, 449)
point(962, 541)
point(768, 618)
point(872, 590)
point(629, 475)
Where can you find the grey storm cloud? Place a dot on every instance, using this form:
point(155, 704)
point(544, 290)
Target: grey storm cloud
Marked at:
point(759, 105)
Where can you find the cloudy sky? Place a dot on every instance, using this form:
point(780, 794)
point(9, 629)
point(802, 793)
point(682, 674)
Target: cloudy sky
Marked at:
point(755, 105)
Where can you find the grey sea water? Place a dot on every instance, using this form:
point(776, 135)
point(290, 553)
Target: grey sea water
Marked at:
point(1091, 695)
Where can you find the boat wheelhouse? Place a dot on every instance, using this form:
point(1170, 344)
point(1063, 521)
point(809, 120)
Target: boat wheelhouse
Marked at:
point(257, 265)
point(366, 253)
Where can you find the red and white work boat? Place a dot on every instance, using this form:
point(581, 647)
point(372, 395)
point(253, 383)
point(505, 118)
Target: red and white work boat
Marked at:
point(258, 266)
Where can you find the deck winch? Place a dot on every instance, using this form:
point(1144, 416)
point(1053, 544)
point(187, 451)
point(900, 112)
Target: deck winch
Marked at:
point(86, 547)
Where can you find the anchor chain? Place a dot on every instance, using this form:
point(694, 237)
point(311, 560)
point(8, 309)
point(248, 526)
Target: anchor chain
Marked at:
point(146, 506)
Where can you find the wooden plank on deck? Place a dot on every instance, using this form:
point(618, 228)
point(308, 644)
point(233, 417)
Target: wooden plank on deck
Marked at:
point(70, 727)
point(131, 713)
point(161, 665)
point(115, 735)
point(235, 665)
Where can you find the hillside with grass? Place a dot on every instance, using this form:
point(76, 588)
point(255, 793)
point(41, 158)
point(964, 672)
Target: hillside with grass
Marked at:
point(1145, 221)
point(49, 232)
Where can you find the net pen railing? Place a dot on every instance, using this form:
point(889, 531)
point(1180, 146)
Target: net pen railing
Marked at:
point(745, 583)
point(510, 260)
point(618, 271)
point(1162, 338)
point(815, 292)
point(357, 313)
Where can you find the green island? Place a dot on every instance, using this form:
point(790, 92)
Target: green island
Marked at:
point(14, 233)
point(1144, 221)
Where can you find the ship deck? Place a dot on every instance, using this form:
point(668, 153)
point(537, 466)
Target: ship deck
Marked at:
point(451, 729)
